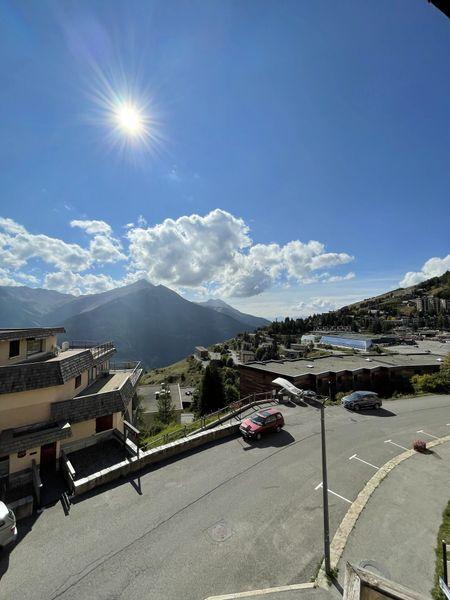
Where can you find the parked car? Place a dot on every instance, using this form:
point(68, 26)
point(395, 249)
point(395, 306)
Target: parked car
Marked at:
point(8, 529)
point(361, 399)
point(309, 395)
point(262, 422)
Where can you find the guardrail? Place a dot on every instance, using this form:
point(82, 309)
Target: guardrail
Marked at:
point(123, 367)
point(95, 347)
point(207, 420)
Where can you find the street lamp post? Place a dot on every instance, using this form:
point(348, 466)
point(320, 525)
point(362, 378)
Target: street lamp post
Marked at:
point(296, 392)
point(326, 518)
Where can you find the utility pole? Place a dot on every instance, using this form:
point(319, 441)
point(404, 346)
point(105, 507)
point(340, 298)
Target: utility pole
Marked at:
point(326, 517)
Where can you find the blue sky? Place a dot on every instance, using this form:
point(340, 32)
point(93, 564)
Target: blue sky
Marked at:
point(270, 125)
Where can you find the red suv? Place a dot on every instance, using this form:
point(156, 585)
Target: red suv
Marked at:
point(262, 422)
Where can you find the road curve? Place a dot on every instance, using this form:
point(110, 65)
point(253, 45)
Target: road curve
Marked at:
point(233, 517)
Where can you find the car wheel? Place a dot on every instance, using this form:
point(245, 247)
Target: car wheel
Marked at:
point(356, 407)
point(258, 436)
point(377, 406)
point(278, 429)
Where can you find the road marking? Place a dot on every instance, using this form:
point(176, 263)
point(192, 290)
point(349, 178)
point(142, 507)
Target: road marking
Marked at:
point(283, 588)
point(428, 434)
point(395, 444)
point(363, 461)
point(334, 493)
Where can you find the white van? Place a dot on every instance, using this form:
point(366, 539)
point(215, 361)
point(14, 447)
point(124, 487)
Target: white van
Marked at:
point(8, 529)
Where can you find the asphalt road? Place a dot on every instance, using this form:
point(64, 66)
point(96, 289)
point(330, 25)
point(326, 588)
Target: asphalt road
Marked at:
point(233, 517)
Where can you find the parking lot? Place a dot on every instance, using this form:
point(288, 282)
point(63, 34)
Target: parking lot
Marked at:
point(233, 517)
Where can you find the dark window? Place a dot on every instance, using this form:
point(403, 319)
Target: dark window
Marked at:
point(103, 423)
point(34, 346)
point(77, 381)
point(14, 348)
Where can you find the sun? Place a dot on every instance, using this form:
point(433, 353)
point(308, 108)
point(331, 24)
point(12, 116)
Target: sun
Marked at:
point(129, 120)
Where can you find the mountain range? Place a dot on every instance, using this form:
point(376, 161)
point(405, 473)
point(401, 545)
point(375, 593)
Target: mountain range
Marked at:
point(147, 322)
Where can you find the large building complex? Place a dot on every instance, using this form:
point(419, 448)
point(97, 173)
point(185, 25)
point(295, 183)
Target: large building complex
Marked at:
point(338, 372)
point(357, 341)
point(56, 400)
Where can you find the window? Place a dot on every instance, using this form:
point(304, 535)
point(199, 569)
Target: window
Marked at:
point(103, 423)
point(271, 419)
point(14, 348)
point(34, 346)
point(77, 381)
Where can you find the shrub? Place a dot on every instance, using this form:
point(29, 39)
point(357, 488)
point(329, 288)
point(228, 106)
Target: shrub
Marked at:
point(340, 395)
point(420, 445)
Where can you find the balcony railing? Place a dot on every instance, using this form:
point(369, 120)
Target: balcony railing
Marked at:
point(133, 366)
point(95, 348)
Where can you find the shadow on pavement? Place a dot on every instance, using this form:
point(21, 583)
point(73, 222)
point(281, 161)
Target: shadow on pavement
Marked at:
point(432, 452)
point(271, 440)
point(134, 479)
point(381, 412)
point(24, 527)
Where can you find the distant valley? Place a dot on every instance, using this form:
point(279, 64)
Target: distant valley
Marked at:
point(146, 322)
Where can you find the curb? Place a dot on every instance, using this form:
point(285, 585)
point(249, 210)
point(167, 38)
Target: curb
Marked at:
point(274, 590)
point(349, 521)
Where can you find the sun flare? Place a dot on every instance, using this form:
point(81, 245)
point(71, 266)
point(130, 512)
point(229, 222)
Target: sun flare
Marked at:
point(130, 120)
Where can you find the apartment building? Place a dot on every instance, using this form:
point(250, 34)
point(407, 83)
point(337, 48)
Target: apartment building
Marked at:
point(432, 304)
point(56, 399)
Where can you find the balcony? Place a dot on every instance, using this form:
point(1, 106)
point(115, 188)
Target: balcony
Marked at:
point(96, 349)
point(132, 368)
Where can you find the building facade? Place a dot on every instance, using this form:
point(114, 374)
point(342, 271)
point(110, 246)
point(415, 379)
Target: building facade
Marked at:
point(337, 373)
point(55, 400)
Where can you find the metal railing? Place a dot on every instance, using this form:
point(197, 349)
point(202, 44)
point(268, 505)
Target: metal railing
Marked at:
point(95, 348)
point(124, 367)
point(209, 419)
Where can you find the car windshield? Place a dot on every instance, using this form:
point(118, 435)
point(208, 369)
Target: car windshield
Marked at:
point(258, 420)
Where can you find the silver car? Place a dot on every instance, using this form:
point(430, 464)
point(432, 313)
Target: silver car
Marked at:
point(8, 529)
point(361, 399)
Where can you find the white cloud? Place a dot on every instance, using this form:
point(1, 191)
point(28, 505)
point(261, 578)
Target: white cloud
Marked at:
point(335, 278)
point(18, 246)
point(92, 226)
point(74, 283)
point(211, 253)
point(105, 249)
point(315, 305)
point(189, 251)
point(257, 270)
point(432, 268)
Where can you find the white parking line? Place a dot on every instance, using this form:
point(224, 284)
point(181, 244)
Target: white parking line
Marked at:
point(395, 444)
point(334, 493)
point(428, 434)
point(363, 461)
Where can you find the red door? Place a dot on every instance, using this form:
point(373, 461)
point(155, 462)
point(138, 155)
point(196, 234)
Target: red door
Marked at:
point(48, 457)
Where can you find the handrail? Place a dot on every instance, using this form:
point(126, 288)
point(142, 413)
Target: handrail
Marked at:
point(201, 423)
point(133, 366)
point(96, 348)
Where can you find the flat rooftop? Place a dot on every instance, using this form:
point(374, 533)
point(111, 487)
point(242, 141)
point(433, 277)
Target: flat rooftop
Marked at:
point(113, 381)
point(422, 347)
point(337, 363)
point(29, 332)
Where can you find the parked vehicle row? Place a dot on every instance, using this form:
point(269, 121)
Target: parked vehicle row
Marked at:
point(271, 419)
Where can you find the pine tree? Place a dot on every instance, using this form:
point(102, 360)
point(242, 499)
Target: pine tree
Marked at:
point(166, 413)
point(212, 393)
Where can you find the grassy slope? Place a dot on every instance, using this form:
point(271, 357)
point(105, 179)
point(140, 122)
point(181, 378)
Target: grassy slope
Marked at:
point(443, 534)
point(191, 369)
